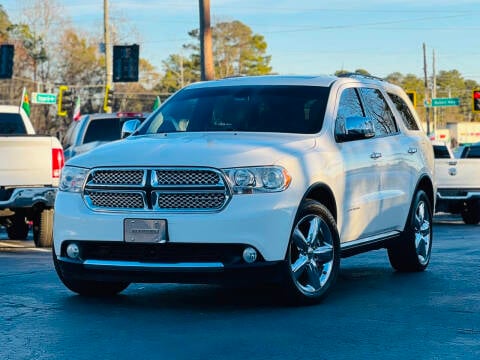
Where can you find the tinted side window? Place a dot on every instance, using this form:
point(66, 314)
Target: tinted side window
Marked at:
point(349, 106)
point(441, 152)
point(378, 109)
point(473, 152)
point(404, 111)
point(11, 124)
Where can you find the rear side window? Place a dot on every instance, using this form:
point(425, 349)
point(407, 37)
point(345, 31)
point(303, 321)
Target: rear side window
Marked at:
point(377, 108)
point(11, 124)
point(407, 116)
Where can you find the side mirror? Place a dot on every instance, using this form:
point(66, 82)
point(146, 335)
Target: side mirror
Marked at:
point(129, 127)
point(358, 127)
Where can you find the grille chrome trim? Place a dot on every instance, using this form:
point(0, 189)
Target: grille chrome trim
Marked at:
point(162, 189)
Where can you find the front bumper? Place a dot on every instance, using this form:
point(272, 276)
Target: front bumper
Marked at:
point(262, 221)
point(190, 273)
point(28, 197)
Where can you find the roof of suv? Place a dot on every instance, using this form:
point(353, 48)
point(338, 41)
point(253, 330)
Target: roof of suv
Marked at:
point(319, 80)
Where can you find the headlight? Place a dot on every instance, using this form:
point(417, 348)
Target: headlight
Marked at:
point(72, 179)
point(249, 180)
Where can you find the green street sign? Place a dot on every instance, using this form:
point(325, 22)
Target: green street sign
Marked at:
point(439, 102)
point(44, 98)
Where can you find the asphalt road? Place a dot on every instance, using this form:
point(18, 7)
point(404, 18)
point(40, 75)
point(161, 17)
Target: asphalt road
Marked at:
point(372, 313)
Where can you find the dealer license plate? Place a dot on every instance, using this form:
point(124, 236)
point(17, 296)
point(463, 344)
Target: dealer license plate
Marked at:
point(145, 230)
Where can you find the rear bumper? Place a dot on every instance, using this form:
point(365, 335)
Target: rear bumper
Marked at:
point(28, 197)
point(454, 200)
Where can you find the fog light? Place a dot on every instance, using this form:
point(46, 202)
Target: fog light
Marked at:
point(73, 251)
point(249, 255)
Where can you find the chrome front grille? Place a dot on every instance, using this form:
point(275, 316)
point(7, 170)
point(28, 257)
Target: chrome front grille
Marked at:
point(157, 189)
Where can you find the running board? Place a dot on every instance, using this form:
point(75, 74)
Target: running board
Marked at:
point(371, 243)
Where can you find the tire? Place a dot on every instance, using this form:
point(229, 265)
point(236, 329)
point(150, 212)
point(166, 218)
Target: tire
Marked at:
point(43, 228)
point(413, 250)
point(313, 256)
point(471, 213)
point(89, 288)
point(18, 230)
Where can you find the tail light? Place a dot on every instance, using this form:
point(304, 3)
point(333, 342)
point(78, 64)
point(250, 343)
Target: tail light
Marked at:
point(58, 161)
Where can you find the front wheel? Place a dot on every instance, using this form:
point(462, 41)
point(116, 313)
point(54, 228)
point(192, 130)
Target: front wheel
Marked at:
point(412, 251)
point(89, 288)
point(313, 256)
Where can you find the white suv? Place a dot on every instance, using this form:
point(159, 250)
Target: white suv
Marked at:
point(267, 178)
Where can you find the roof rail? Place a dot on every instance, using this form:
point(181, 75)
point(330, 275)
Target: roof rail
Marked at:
point(354, 75)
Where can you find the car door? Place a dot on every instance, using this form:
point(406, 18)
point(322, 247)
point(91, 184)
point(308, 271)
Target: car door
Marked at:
point(361, 203)
point(396, 162)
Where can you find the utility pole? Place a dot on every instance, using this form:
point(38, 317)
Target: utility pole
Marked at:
point(206, 54)
point(427, 108)
point(108, 48)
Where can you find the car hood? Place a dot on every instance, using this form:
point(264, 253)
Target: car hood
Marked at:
point(219, 150)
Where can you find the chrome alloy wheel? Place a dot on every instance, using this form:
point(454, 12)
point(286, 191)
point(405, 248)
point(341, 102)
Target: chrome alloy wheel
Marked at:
point(422, 232)
point(311, 254)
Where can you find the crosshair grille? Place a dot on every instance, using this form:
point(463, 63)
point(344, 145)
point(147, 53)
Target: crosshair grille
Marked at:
point(157, 189)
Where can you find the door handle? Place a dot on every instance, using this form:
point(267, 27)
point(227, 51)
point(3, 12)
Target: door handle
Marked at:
point(376, 155)
point(412, 150)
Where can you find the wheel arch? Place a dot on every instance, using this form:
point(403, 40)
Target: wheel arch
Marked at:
point(426, 184)
point(322, 193)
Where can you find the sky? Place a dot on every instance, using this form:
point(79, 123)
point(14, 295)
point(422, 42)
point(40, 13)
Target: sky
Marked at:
point(303, 37)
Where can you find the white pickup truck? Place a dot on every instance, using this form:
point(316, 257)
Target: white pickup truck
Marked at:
point(458, 183)
point(30, 167)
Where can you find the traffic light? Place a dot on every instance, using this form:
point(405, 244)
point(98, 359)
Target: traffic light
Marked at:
point(412, 94)
point(6, 61)
point(65, 101)
point(476, 101)
point(125, 63)
point(108, 99)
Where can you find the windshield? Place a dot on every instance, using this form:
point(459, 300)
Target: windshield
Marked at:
point(284, 109)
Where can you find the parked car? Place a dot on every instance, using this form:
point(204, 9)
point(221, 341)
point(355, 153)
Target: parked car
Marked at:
point(30, 168)
point(458, 182)
point(270, 178)
point(93, 130)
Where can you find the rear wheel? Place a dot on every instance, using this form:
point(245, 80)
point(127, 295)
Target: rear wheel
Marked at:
point(313, 256)
point(471, 213)
point(43, 228)
point(412, 251)
point(89, 288)
point(18, 229)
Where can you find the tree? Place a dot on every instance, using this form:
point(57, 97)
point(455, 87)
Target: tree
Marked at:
point(236, 51)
